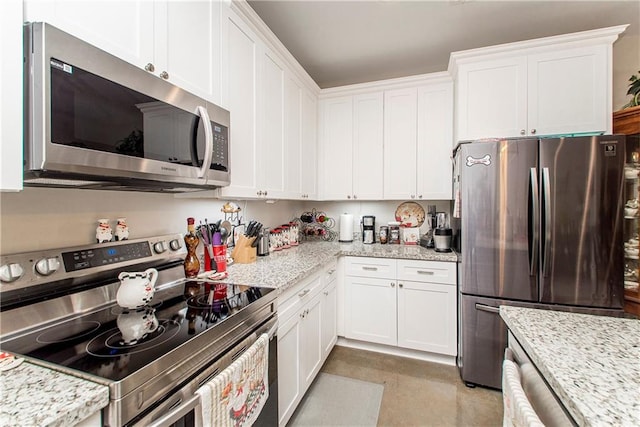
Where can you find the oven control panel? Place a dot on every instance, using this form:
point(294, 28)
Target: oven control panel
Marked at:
point(40, 267)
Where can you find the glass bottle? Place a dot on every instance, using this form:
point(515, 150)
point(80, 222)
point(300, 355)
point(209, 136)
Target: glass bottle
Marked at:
point(191, 262)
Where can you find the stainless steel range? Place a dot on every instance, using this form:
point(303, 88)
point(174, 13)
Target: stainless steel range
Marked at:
point(58, 309)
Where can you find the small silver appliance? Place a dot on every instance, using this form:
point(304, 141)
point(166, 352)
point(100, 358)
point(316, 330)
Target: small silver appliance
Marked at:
point(368, 229)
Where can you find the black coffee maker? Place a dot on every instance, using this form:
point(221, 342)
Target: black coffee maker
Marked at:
point(368, 229)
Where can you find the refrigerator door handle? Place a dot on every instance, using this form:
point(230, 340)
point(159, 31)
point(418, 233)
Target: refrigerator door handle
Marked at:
point(546, 191)
point(487, 308)
point(534, 222)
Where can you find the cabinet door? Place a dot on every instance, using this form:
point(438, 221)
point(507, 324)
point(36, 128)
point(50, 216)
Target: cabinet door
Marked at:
point(435, 142)
point(311, 349)
point(11, 95)
point(328, 316)
point(368, 119)
point(122, 28)
point(289, 358)
point(400, 136)
point(370, 310)
point(292, 141)
point(427, 317)
point(308, 151)
point(271, 160)
point(188, 46)
point(242, 75)
point(336, 142)
point(492, 99)
point(568, 91)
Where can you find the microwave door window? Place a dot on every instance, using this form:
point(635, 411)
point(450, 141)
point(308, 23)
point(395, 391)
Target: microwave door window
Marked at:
point(91, 112)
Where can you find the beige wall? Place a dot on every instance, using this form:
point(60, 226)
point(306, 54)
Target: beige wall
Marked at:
point(626, 62)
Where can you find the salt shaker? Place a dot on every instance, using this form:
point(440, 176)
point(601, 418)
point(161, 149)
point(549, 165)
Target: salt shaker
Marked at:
point(122, 230)
point(103, 232)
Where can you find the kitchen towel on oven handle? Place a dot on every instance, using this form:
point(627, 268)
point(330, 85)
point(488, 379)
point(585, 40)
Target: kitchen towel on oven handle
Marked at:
point(236, 395)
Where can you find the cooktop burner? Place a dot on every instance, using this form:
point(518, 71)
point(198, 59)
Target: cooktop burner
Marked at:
point(114, 342)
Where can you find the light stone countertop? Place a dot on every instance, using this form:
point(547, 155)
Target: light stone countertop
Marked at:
point(31, 395)
point(592, 363)
point(287, 267)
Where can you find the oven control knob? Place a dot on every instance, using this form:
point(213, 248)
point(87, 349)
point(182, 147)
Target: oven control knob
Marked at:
point(11, 272)
point(47, 266)
point(159, 247)
point(175, 244)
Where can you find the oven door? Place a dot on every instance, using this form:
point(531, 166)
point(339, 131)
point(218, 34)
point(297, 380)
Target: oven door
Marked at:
point(179, 408)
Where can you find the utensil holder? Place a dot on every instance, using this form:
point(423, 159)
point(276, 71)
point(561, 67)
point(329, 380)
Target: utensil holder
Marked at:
point(243, 252)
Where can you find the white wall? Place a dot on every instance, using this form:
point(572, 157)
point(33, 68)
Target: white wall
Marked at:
point(39, 218)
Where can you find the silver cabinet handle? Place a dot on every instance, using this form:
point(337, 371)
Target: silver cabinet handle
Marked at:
point(522, 132)
point(355, 196)
point(259, 193)
point(533, 131)
point(164, 75)
point(430, 273)
point(149, 67)
point(420, 196)
point(326, 293)
point(370, 268)
point(400, 285)
point(413, 196)
point(303, 293)
point(393, 285)
point(331, 271)
point(265, 192)
point(349, 196)
point(487, 308)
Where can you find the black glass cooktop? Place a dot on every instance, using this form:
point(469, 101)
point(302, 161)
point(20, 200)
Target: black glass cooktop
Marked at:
point(114, 342)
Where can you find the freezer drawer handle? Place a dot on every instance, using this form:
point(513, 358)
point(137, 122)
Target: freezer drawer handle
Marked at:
point(488, 308)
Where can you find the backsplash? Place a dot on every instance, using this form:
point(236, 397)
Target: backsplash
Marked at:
point(39, 218)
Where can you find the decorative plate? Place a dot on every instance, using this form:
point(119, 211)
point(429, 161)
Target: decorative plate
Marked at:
point(410, 214)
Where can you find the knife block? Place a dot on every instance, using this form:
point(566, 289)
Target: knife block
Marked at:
point(243, 252)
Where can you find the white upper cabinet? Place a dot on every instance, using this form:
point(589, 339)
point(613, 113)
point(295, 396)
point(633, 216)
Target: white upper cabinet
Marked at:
point(309, 146)
point(434, 170)
point(11, 95)
point(400, 143)
point(336, 146)
point(243, 51)
point(555, 85)
point(177, 41)
point(292, 137)
point(351, 143)
point(124, 29)
point(368, 120)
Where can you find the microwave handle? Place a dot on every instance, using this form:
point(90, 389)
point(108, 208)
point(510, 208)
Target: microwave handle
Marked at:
point(208, 137)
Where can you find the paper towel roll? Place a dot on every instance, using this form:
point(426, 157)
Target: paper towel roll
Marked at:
point(346, 228)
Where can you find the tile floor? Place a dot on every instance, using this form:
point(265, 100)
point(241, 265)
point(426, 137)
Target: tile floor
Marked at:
point(418, 393)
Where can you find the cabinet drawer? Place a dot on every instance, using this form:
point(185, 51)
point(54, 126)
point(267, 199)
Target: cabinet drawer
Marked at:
point(330, 272)
point(427, 271)
point(382, 268)
point(294, 298)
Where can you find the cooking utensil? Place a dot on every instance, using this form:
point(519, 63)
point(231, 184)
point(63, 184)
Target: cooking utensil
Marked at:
point(225, 230)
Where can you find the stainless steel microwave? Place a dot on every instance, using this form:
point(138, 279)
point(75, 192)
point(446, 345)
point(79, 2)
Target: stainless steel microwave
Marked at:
point(93, 120)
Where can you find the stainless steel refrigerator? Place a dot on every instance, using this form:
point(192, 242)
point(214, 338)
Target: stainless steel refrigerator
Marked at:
point(540, 225)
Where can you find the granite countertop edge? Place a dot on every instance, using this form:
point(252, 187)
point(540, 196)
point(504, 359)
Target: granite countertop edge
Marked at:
point(590, 362)
point(39, 396)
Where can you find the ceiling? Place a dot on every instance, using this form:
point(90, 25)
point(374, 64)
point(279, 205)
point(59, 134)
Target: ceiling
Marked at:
point(346, 42)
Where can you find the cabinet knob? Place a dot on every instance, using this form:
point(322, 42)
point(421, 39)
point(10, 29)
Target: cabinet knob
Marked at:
point(400, 285)
point(355, 196)
point(522, 132)
point(413, 196)
point(265, 193)
point(349, 196)
point(164, 75)
point(533, 131)
point(326, 293)
point(420, 196)
point(149, 67)
point(393, 285)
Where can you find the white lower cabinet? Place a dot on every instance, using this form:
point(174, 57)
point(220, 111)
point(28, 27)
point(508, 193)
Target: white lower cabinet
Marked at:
point(306, 335)
point(410, 304)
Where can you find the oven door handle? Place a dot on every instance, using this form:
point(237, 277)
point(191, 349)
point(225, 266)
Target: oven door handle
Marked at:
point(177, 413)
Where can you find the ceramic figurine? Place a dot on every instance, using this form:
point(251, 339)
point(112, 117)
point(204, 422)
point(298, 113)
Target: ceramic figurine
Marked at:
point(103, 232)
point(122, 230)
point(136, 289)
